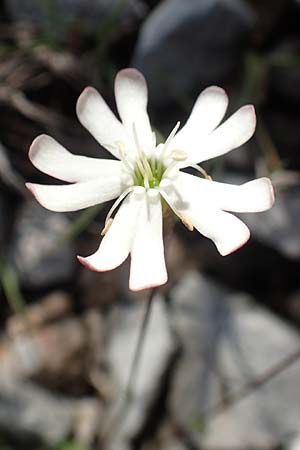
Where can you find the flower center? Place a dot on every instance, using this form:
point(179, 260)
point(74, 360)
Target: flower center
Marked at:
point(148, 172)
point(152, 173)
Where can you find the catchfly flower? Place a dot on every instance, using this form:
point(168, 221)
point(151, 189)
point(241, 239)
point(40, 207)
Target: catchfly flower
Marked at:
point(146, 177)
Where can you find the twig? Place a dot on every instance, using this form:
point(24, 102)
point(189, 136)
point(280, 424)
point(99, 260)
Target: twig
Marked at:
point(232, 398)
point(32, 110)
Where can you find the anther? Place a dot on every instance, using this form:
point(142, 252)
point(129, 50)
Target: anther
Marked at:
point(179, 155)
point(117, 202)
point(186, 222)
point(107, 226)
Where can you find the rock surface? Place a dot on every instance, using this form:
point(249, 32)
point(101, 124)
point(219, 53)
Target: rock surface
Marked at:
point(279, 227)
point(157, 351)
point(227, 342)
point(186, 45)
point(40, 251)
point(34, 414)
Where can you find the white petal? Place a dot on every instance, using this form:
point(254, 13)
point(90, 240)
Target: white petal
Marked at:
point(148, 268)
point(233, 133)
point(131, 98)
point(227, 231)
point(117, 243)
point(50, 157)
point(254, 196)
point(72, 197)
point(206, 115)
point(99, 120)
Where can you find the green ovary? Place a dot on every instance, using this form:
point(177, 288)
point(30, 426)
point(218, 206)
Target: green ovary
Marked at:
point(148, 169)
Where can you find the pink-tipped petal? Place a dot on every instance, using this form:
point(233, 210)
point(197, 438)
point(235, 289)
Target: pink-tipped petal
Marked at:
point(148, 268)
point(117, 242)
point(226, 231)
point(73, 197)
point(131, 98)
point(253, 196)
point(201, 211)
point(99, 120)
point(47, 155)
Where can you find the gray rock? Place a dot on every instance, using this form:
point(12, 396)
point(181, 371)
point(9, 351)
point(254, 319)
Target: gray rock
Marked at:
point(186, 45)
point(294, 443)
point(29, 413)
point(171, 444)
point(157, 351)
point(227, 342)
point(40, 253)
point(279, 227)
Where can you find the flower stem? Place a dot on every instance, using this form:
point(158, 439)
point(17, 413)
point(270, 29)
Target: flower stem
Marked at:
point(139, 347)
point(117, 420)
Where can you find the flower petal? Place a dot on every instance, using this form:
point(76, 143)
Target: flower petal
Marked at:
point(233, 133)
point(117, 242)
point(72, 197)
point(99, 120)
point(227, 231)
point(206, 115)
point(131, 98)
point(47, 155)
point(148, 268)
point(254, 196)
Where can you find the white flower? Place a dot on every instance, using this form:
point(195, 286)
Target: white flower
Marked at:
point(145, 173)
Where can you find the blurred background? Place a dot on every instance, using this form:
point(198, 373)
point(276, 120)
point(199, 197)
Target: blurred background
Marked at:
point(220, 366)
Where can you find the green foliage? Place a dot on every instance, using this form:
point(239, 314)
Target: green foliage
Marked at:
point(70, 445)
point(11, 287)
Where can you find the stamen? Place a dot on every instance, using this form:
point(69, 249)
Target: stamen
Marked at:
point(186, 222)
point(116, 204)
point(184, 219)
point(200, 169)
point(167, 198)
point(170, 137)
point(179, 155)
point(143, 158)
point(154, 138)
point(169, 168)
point(166, 145)
point(107, 226)
point(146, 181)
point(140, 167)
point(124, 157)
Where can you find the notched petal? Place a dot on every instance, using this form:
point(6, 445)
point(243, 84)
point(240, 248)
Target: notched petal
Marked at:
point(95, 115)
